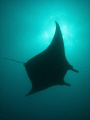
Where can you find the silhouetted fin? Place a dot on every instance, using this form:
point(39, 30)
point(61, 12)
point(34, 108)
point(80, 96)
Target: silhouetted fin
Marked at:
point(75, 70)
point(67, 84)
point(71, 68)
point(57, 43)
point(33, 90)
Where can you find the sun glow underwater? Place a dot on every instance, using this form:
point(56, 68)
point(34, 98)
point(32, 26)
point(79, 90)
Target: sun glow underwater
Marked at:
point(66, 29)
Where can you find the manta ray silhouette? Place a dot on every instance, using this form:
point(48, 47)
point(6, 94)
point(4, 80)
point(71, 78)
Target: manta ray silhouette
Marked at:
point(50, 66)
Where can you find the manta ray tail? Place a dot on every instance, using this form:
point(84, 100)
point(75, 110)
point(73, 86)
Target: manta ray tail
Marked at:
point(14, 60)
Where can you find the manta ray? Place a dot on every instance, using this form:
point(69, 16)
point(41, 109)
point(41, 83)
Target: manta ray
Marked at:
point(49, 67)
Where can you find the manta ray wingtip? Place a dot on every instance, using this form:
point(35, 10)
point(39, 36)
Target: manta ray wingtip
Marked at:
point(56, 22)
point(28, 94)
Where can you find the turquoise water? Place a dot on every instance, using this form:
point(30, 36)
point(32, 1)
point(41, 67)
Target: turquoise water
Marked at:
point(27, 28)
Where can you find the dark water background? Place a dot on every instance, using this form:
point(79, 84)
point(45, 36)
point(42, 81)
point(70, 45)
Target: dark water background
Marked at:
point(25, 30)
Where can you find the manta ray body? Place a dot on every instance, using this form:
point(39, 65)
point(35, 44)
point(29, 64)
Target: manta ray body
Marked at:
point(50, 66)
